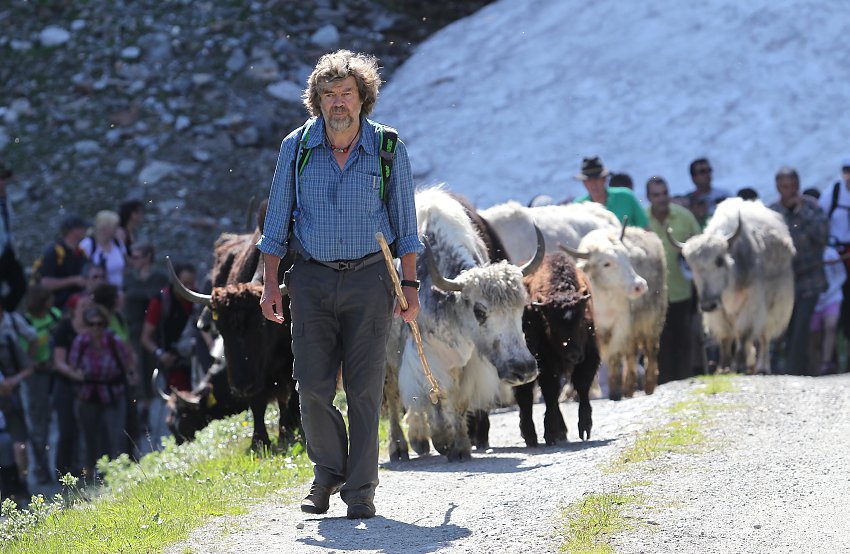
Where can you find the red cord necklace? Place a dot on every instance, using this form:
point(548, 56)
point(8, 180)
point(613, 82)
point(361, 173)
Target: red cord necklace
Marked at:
point(343, 149)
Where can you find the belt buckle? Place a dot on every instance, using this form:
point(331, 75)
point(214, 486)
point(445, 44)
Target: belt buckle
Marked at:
point(345, 265)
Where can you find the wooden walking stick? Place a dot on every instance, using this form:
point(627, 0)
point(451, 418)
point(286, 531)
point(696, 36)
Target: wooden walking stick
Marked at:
point(434, 393)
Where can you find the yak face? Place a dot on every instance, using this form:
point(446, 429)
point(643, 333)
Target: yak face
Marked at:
point(490, 310)
point(560, 321)
point(605, 260)
point(247, 335)
point(188, 413)
point(712, 266)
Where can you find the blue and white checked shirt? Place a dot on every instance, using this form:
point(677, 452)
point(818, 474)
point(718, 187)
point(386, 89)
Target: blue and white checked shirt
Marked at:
point(339, 211)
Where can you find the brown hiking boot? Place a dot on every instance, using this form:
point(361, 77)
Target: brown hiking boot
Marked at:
point(318, 501)
point(360, 508)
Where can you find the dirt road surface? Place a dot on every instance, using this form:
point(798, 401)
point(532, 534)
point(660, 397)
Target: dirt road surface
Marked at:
point(773, 476)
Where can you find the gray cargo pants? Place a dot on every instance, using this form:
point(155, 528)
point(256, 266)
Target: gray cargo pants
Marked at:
point(341, 317)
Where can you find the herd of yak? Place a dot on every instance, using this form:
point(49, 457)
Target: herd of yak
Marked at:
point(511, 297)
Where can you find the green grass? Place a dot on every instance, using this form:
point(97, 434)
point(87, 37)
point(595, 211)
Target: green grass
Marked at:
point(594, 519)
point(147, 506)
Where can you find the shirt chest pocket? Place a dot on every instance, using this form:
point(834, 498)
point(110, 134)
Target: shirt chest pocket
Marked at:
point(363, 190)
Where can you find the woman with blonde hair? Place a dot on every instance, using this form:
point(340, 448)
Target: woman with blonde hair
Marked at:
point(104, 248)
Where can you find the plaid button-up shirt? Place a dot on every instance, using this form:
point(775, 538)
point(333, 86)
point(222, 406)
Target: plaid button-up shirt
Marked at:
point(809, 229)
point(340, 210)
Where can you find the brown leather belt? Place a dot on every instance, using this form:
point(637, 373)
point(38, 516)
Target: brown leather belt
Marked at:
point(351, 265)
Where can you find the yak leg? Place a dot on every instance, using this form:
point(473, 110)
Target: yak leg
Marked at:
point(554, 428)
point(741, 350)
point(582, 378)
point(478, 424)
point(763, 356)
point(650, 351)
point(615, 377)
point(290, 416)
point(725, 365)
point(524, 395)
point(630, 375)
point(449, 432)
point(397, 446)
point(260, 440)
point(418, 431)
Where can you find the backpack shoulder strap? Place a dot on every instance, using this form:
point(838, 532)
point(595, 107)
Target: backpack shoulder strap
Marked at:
point(302, 155)
point(113, 348)
point(388, 140)
point(836, 190)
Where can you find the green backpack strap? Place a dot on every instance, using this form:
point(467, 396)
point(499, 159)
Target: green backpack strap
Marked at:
point(388, 139)
point(303, 152)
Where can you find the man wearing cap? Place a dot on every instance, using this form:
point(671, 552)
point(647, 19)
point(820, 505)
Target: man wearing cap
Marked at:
point(13, 285)
point(60, 267)
point(620, 201)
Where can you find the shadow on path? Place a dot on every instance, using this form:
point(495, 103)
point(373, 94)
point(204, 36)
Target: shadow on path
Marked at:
point(386, 536)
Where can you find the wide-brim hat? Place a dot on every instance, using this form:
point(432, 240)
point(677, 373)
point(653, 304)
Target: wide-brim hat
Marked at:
point(592, 167)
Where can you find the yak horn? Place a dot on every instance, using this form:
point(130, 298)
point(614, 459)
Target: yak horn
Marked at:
point(730, 238)
point(577, 254)
point(534, 263)
point(676, 244)
point(155, 385)
point(623, 230)
point(185, 293)
point(448, 285)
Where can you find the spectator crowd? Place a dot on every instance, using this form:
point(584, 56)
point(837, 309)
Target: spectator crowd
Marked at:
point(80, 337)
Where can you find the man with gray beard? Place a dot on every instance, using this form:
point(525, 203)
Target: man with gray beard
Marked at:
point(330, 195)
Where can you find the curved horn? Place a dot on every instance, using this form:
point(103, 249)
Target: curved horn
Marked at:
point(437, 278)
point(184, 293)
point(534, 263)
point(676, 244)
point(730, 238)
point(155, 385)
point(577, 254)
point(623, 230)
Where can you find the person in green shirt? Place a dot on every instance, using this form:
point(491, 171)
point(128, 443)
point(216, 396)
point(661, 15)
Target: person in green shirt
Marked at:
point(674, 355)
point(620, 201)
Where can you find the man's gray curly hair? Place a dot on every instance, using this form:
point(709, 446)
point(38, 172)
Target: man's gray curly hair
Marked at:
point(337, 66)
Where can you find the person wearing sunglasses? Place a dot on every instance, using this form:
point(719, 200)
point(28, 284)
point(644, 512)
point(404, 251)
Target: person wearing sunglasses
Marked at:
point(103, 365)
point(701, 175)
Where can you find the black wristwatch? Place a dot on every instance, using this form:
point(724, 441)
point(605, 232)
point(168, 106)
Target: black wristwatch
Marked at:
point(411, 284)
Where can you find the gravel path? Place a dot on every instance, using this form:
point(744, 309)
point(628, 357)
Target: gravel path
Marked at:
point(774, 480)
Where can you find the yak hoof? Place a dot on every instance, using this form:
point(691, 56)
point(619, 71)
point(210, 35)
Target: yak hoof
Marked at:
point(458, 455)
point(616, 396)
point(399, 453)
point(531, 442)
point(482, 445)
point(559, 440)
point(260, 444)
point(420, 446)
point(584, 434)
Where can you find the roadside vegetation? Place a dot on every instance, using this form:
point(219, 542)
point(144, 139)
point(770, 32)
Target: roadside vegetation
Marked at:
point(590, 522)
point(146, 506)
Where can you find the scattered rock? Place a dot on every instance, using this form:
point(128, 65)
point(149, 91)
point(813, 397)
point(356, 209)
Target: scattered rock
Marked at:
point(182, 123)
point(4, 138)
point(326, 36)
point(236, 61)
point(286, 91)
point(155, 171)
point(202, 79)
point(125, 167)
point(131, 53)
point(53, 36)
point(87, 147)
